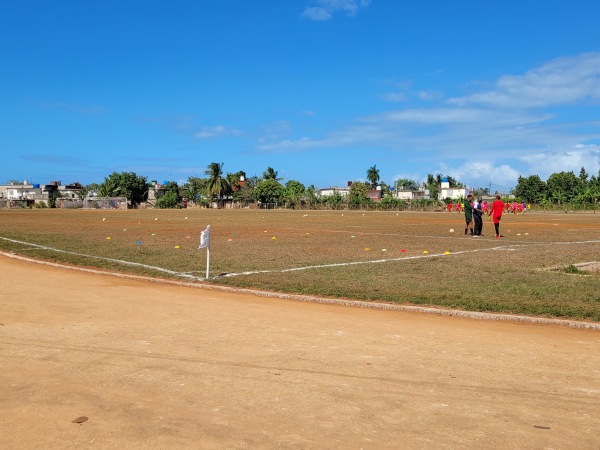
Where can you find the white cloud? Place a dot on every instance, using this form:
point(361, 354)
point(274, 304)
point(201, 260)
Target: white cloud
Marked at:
point(326, 8)
point(481, 138)
point(275, 131)
point(483, 173)
point(430, 116)
point(559, 82)
point(217, 131)
point(290, 145)
point(395, 97)
point(316, 13)
point(429, 95)
point(572, 159)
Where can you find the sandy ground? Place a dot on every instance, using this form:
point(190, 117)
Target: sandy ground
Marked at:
point(158, 366)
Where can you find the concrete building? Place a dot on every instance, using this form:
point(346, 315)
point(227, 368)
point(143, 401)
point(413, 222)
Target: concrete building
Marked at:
point(454, 193)
point(27, 194)
point(343, 191)
point(409, 194)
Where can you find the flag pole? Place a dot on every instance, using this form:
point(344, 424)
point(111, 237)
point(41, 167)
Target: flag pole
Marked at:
point(205, 243)
point(207, 260)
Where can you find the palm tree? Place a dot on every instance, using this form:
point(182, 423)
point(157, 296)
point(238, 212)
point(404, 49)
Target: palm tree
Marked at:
point(217, 183)
point(270, 174)
point(373, 175)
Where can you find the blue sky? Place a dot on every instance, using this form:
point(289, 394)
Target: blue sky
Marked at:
point(320, 90)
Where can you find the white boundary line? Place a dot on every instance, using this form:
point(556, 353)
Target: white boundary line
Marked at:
point(379, 261)
point(509, 247)
point(357, 263)
point(119, 261)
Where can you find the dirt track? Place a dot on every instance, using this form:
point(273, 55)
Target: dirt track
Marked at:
point(156, 366)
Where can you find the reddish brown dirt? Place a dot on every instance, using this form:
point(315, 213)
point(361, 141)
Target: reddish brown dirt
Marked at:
point(156, 366)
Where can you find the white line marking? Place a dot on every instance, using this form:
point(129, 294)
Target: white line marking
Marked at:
point(119, 261)
point(510, 247)
point(404, 258)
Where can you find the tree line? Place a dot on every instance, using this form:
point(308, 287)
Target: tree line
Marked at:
point(560, 189)
point(268, 190)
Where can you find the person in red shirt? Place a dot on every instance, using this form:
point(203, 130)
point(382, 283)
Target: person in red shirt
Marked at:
point(496, 213)
point(486, 206)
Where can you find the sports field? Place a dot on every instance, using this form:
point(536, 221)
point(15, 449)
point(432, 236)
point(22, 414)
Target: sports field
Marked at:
point(397, 257)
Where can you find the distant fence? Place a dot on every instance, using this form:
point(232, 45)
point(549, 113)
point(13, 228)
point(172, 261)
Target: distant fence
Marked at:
point(105, 203)
point(68, 203)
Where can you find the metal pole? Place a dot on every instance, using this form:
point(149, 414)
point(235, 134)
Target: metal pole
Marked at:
point(207, 260)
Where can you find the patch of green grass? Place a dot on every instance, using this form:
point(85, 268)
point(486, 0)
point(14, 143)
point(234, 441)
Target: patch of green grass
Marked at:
point(572, 269)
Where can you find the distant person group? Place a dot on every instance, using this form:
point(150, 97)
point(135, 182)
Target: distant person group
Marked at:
point(475, 209)
point(514, 207)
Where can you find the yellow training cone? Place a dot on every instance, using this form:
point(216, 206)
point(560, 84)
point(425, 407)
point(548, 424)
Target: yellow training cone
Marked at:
point(446, 253)
point(425, 252)
point(108, 238)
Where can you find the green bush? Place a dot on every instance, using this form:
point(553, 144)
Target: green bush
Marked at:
point(168, 201)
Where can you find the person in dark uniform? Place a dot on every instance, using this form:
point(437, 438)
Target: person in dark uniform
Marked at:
point(477, 217)
point(469, 214)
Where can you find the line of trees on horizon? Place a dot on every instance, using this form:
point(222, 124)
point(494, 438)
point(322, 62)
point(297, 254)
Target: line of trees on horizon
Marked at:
point(218, 187)
point(560, 188)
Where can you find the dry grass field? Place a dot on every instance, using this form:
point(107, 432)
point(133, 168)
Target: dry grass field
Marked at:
point(399, 257)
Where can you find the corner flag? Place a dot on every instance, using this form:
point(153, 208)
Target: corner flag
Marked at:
point(205, 238)
point(205, 243)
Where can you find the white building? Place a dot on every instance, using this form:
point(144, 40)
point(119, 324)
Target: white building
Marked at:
point(326, 192)
point(454, 193)
point(408, 194)
point(31, 193)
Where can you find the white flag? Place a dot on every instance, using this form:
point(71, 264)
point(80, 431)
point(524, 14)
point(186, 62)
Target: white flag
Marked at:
point(205, 238)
